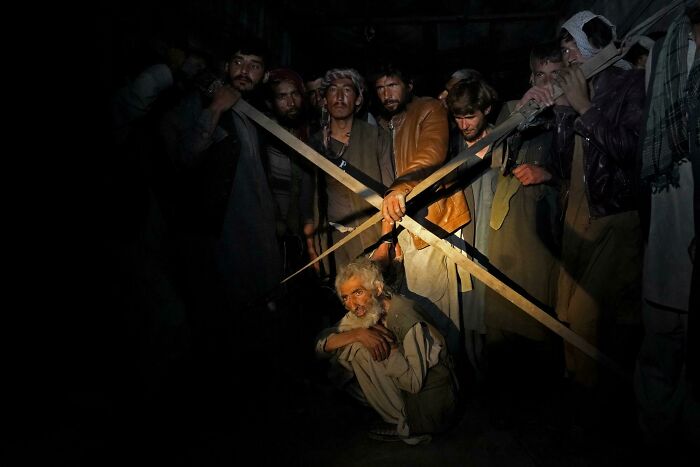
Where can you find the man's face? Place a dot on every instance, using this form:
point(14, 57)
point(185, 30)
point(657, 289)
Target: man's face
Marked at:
point(358, 299)
point(286, 101)
point(392, 93)
point(545, 72)
point(471, 125)
point(313, 92)
point(342, 98)
point(570, 53)
point(246, 71)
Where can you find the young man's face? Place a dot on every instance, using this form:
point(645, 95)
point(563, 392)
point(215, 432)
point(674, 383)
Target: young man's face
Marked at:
point(286, 101)
point(471, 125)
point(570, 53)
point(392, 93)
point(246, 71)
point(544, 73)
point(342, 98)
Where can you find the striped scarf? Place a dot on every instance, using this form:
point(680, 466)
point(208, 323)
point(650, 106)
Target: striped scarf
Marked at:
point(665, 141)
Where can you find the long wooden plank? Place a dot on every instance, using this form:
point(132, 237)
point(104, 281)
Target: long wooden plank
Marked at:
point(414, 227)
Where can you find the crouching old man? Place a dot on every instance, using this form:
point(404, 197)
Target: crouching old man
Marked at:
point(387, 345)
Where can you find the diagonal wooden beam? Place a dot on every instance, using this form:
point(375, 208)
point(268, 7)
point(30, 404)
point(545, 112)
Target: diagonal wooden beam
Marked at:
point(415, 228)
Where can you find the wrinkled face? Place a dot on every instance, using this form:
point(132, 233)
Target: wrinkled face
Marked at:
point(392, 92)
point(286, 102)
point(545, 72)
point(356, 298)
point(246, 71)
point(472, 125)
point(570, 53)
point(342, 98)
point(313, 92)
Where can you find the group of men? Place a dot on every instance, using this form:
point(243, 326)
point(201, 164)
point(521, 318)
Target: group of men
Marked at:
point(554, 209)
point(559, 220)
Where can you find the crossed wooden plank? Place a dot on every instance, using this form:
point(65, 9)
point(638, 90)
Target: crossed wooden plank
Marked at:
point(468, 157)
point(596, 64)
point(599, 62)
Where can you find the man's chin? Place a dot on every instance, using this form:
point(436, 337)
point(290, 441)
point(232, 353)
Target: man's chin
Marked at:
point(472, 136)
point(393, 109)
point(242, 86)
point(367, 317)
point(290, 122)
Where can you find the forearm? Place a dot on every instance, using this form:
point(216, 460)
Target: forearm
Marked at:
point(341, 339)
point(198, 138)
point(309, 230)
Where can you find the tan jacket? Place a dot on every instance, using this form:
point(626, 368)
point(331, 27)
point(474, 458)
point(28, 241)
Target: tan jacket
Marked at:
point(420, 147)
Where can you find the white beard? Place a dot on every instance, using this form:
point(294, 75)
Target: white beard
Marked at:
point(372, 316)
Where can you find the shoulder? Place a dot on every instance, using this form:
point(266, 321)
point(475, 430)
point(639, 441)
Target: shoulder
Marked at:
point(426, 104)
point(400, 302)
point(363, 130)
point(426, 109)
point(616, 78)
point(360, 126)
point(506, 109)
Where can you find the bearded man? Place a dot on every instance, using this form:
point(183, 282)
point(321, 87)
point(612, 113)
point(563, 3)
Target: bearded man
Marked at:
point(394, 354)
point(364, 151)
point(419, 130)
point(291, 177)
point(469, 102)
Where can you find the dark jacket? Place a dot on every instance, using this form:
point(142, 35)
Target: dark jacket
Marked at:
point(610, 130)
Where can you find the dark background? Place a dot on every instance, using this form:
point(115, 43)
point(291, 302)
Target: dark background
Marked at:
point(435, 38)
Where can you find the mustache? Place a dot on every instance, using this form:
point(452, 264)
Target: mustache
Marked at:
point(390, 101)
point(242, 77)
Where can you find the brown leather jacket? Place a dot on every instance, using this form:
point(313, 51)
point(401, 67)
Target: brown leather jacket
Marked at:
point(420, 136)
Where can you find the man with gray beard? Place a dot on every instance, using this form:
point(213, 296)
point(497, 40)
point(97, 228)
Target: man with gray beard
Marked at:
point(387, 353)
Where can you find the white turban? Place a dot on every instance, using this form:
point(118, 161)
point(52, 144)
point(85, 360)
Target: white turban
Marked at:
point(574, 26)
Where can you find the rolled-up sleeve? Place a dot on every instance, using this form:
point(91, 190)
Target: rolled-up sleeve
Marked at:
point(321, 340)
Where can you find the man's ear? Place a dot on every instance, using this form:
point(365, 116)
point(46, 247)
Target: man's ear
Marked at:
point(266, 76)
point(488, 110)
point(532, 80)
point(409, 87)
point(358, 101)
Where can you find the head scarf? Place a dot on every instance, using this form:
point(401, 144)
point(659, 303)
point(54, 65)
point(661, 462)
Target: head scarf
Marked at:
point(574, 26)
point(286, 74)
